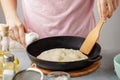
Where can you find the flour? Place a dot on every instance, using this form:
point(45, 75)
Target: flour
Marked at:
point(59, 78)
point(8, 74)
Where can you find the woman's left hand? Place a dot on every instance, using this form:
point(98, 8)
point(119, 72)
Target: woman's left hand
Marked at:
point(107, 7)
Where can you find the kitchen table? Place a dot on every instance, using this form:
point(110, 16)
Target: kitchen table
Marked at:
point(104, 72)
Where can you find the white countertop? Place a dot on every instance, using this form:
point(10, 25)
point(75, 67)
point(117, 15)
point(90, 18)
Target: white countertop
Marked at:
point(104, 72)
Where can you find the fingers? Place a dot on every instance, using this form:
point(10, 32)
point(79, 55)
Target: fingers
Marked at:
point(107, 6)
point(18, 33)
point(22, 35)
point(102, 8)
point(26, 30)
point(110, 7)
point(115, 3)
point(99, 9)
point(12, 35)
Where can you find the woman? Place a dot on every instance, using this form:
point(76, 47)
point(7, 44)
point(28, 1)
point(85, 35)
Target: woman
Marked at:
point(55, 17)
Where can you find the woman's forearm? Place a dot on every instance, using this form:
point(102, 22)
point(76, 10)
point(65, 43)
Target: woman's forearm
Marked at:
point(17, 28)
point(9, 8)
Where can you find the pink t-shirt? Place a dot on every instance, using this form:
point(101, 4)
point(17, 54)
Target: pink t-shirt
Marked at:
point(59, 17)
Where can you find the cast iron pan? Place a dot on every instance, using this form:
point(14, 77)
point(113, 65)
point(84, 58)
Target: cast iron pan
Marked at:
point(68, 42)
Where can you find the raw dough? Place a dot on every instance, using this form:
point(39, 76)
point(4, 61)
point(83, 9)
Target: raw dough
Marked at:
point(62, 55)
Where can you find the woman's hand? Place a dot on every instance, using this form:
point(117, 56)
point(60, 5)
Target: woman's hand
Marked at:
point(17, 30)
point(107, 7)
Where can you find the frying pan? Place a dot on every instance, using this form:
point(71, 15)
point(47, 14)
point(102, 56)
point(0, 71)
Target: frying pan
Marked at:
point(69, 42)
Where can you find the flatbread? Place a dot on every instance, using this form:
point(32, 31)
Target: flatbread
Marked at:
point(62, 55)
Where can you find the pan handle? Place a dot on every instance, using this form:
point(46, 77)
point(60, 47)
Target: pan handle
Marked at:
point(95, 59)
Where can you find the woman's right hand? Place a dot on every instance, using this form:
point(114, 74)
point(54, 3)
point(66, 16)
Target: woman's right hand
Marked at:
point(107, 7)
point(17, 30)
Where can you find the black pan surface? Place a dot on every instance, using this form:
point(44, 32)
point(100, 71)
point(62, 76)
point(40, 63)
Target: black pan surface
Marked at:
point(69, 42)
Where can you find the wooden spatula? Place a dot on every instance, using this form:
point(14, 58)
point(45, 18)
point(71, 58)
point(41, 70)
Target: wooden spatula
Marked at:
point(92, 38)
